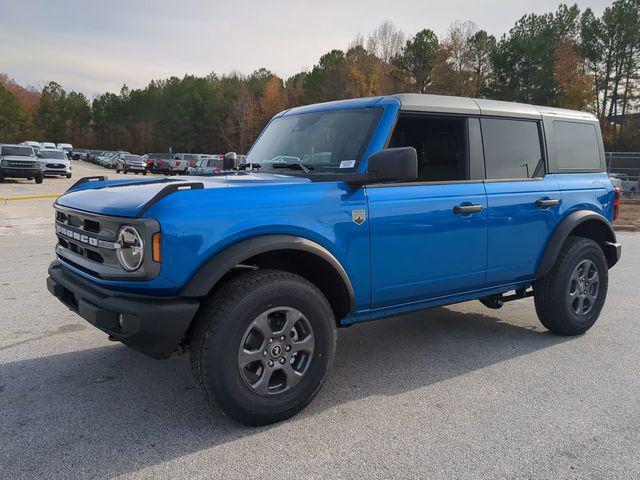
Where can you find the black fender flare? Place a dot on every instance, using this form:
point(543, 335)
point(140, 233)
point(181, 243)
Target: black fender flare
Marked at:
point(567, 225)
point(214, 269)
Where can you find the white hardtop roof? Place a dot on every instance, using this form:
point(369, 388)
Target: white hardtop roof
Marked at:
point(477, 106)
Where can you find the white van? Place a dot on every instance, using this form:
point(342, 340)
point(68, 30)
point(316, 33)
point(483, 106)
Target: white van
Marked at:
point(65, 147)
point(33, 144)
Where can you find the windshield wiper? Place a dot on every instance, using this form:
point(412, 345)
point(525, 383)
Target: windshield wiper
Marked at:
point(293, 166)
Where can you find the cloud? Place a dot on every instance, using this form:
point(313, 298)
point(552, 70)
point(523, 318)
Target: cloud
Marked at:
point(94, 46)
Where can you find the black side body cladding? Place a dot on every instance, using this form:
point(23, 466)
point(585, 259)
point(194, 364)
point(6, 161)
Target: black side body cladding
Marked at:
point(168, 190)
point(603, 234)
point(212, 271)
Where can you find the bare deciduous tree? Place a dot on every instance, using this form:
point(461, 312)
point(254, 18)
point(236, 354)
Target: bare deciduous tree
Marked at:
point(386, 41)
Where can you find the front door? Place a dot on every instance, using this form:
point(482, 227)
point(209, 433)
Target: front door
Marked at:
point(429, 237)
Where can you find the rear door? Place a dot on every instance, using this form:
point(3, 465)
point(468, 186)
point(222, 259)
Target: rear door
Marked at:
point(429, 237)
point(523, 200)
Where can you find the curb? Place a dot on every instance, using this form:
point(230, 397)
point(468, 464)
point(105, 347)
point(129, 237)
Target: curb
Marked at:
point(29, 197)
point(625, 228)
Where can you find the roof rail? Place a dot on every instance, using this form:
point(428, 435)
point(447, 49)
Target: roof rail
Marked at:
point(168, 190)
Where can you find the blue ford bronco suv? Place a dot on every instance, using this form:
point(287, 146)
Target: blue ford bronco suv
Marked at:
point(344, 212)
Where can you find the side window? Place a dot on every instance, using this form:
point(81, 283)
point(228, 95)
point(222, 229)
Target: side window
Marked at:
point(576, 146)
point(512, 149)
point(440, 143)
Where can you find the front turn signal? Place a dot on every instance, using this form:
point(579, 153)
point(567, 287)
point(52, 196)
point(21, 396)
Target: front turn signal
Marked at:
point(156, 247)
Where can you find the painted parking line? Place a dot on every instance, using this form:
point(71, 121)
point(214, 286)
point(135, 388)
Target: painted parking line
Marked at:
point(29, 197)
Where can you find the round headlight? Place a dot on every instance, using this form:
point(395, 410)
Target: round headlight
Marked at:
point(130, 249)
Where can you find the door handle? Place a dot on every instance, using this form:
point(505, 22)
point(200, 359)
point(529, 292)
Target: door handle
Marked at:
point(547, 202)
point(466, 209)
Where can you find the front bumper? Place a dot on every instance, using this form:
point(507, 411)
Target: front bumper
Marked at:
point(56, 170)
point(151, 325)
point(20, 172)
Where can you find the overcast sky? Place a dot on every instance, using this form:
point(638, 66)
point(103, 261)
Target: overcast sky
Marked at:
point(95, 46)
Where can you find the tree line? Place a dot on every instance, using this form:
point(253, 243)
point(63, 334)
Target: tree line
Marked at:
point(566, 58)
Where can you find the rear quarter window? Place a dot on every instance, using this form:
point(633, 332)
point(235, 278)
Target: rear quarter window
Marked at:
point(576, 146)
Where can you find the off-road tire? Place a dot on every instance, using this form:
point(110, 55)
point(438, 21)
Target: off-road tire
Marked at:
point(39, 178)
point(219, 330)
point(551, 291)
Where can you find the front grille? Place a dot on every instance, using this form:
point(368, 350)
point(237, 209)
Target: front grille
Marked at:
point(14, 164)
point(88, 242)
point(55, 165)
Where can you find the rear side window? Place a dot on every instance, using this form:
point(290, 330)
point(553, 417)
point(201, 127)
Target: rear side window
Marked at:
point(512, 149)
point(576, 146)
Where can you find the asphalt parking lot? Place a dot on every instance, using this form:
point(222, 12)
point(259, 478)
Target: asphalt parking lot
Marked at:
point(456, 392)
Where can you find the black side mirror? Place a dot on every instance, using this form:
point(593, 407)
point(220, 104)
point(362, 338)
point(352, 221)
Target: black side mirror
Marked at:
point(230, 161)
point(394, 165)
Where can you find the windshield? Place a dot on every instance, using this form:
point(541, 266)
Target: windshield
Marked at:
point(132, 158)
point(18, 151)
point(213, 162)
point(323, 141)
point(53, 154)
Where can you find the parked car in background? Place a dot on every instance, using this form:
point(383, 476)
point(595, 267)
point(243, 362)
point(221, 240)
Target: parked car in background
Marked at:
point(93, 155)
point(50, 145)
point(106, 159)
point(55, 162)
point(19, 161)
point(65, 147)
point(629, 187)
point(181, 163)
point(158, 162)
point(79, 154)
point(207, 165)
point(131, 163)
point(33, 144)
point(617, 183)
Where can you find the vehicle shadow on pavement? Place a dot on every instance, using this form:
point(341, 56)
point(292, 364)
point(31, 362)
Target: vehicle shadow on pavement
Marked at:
point(110, 410)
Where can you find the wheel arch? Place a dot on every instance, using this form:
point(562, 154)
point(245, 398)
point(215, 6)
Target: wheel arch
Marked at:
point(290, 253)
point(582, 223)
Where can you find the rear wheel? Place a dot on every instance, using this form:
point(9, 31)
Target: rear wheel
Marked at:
point(569, 299)
point(262, 346)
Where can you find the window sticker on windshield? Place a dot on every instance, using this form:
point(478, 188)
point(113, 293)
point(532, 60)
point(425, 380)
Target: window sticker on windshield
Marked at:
point(347, 164)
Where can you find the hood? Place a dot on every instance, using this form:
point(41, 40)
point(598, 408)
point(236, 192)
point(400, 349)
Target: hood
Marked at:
point(127, 198)
point(19, 158)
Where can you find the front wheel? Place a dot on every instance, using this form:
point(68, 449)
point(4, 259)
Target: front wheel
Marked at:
point(261, 347)
point(39, 178)
point(569, 299)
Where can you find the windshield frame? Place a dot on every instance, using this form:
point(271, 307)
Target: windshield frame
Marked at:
point(282, 169)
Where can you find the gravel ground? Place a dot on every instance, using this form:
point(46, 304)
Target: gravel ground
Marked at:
point(456, 392)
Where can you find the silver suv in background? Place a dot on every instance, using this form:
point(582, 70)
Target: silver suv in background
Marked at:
point(19, 161)
point(55, 162)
